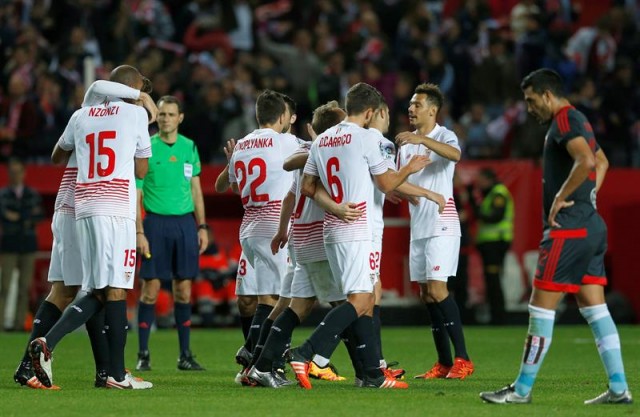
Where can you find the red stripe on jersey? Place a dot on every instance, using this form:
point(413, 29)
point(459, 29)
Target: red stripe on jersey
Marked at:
point(562, 119)
point(568, 233)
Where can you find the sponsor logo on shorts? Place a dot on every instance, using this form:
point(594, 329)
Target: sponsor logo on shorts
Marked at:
point(127, 275)
point(436, 268)
point(444, 228)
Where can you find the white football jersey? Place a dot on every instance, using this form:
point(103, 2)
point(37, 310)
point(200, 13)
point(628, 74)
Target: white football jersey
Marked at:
point(256, 165)
point(106, 139)
point(344, 157)
point(65, 198)
point(438, 177)
point(388, 152)
point(308, 217)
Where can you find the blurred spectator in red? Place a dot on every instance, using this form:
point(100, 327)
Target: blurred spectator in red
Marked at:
point(18, 118)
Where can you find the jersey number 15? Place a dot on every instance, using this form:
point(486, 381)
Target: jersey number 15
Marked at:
point(98, 148)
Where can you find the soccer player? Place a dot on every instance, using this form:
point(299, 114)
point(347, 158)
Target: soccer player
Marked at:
point(343, 158)
point(312, 276)
point(435, 236)
point(255, 172)
point(111, 142)
point(380, 126)
point(65, 268)
point(574, 241)
point(174, 232)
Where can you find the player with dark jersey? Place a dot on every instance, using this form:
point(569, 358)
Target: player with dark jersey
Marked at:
point(571, 258)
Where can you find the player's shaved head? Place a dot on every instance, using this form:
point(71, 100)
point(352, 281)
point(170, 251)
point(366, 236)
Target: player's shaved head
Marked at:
point(270, 106)
point(127, 75)
point(362, 97)
point(327, 116)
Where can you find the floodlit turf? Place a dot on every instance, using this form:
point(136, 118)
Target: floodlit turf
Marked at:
point(572, 373)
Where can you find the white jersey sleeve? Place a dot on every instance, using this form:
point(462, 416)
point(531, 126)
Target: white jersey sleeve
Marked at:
point(102, 90)
point(67, 140)
point(388, 152)
point(143, 143)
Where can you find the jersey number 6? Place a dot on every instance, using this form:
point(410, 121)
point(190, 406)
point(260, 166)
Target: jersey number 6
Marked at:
point(259, 166)
point(102, 151)
point(335, 186)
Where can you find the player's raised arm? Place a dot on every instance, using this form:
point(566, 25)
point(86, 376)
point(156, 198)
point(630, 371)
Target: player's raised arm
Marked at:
point(443, 149)
point(390, 180)
point(222, 181)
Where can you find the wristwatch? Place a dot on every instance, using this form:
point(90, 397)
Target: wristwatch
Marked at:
point(203, 226)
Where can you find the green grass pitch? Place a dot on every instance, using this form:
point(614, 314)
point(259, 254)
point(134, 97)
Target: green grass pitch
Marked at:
point(571, 373)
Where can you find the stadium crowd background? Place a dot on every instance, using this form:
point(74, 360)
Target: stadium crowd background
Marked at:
point(217, 55)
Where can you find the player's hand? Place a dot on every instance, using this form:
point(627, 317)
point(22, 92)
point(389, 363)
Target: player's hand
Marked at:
point(404, 138)
point(150, 105)
point(348, 212)
point(557, 205)
point(228, 148)
point(203, 240)
point(312, 134)
point(417, 162)
point(439, 200)
point(12, 216)
point(279, 241)
point(393, 197)
point(142, 245)
point(414, 201)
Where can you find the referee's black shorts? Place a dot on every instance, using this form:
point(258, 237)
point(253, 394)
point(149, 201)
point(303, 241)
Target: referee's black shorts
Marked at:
point(173, 243)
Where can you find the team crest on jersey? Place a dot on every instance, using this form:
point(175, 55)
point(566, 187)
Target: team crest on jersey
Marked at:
point(388, 150)
point(173, 158)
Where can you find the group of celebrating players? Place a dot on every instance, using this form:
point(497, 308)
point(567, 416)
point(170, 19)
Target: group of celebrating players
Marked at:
point(312, 230)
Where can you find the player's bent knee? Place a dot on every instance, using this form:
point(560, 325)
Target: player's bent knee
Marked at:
point(116, 294)
point(247, 305)
point(302, 306)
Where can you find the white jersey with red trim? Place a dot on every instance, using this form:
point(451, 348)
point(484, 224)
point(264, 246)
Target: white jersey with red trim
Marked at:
point(438, 177)
point(308, 218)
point(65, 201)
point(344, 157)
point(388, 152)
point(256, 165)
point(106, 139)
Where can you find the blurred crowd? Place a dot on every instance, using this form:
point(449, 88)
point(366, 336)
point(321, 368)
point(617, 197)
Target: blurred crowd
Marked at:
point(216, 55)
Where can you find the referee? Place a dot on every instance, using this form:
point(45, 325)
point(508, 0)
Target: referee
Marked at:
point(170, 238)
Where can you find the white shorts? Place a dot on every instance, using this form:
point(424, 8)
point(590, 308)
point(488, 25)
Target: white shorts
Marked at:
point(315, 279)
point(246, 278)
point(270, 269)
point(108, 251)
point(65, 265)
point(434, 258)
point(285, 285)
point(375, 258)
point(350, 266)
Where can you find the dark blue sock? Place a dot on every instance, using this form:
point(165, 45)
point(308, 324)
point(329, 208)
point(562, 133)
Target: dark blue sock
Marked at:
point(182, 314)
point(453, 326)
point(377, 328)
point(73, 317)
point(116, 329)
point(440, 336)
point(325, 338)
point(98, 338)
point(146, 317)
point(47, 316)
point(276, 343)
point(245, 322)
point(367, 348)
point(262, 312)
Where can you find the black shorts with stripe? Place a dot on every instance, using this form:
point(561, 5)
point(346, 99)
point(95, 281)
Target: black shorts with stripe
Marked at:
point(569, 258)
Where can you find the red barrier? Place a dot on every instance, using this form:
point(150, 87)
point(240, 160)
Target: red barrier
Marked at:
point(618, 202)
